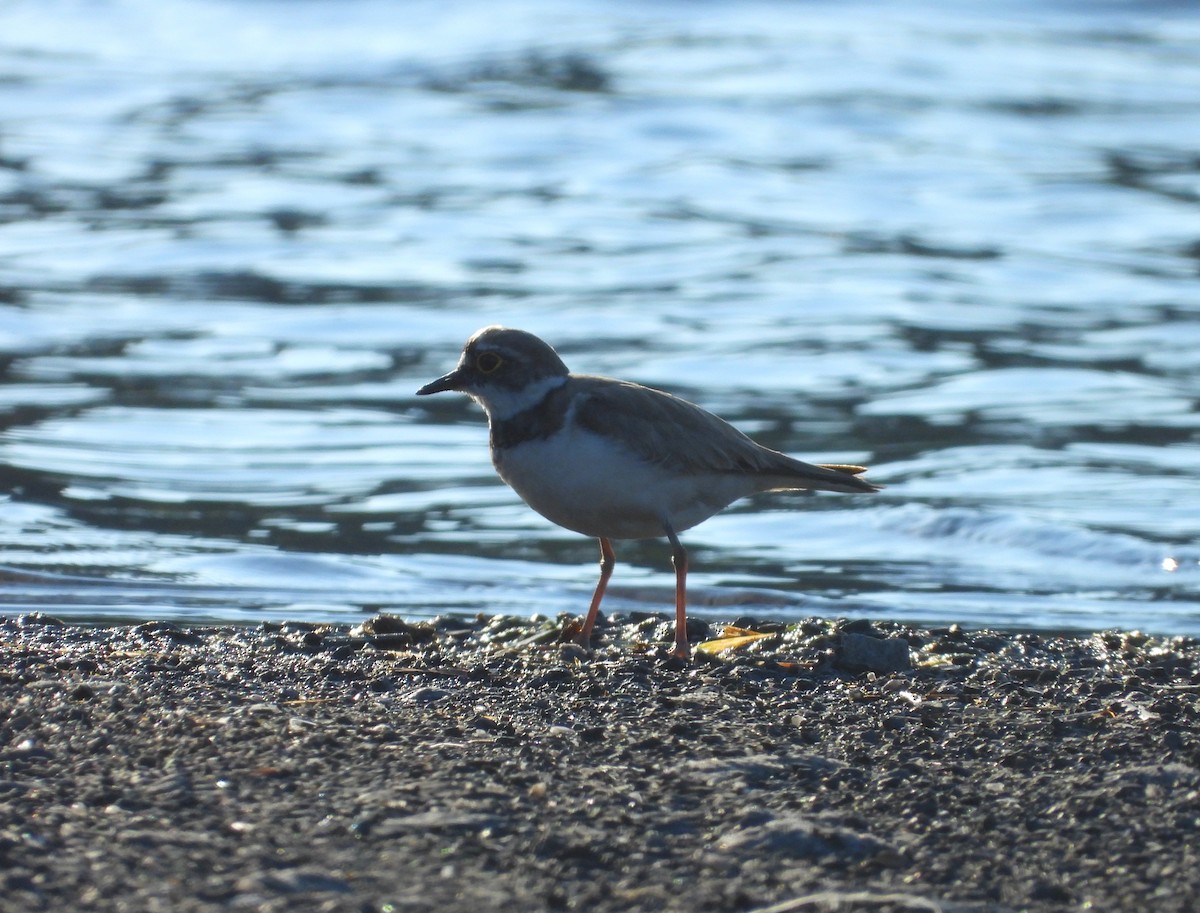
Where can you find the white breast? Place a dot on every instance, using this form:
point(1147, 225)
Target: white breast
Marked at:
point(593, 485)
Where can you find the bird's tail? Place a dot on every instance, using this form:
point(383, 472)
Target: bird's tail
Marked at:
point(820, 477)
point(850, 473)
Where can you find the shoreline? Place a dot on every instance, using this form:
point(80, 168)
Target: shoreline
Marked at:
point(472, 764)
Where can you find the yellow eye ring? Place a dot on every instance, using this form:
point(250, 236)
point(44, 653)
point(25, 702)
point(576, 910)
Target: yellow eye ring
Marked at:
point(488, 362)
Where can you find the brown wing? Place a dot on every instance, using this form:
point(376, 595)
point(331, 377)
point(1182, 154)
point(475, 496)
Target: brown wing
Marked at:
point(675, 434)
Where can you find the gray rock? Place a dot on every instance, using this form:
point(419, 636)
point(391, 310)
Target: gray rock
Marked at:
point(863, 653)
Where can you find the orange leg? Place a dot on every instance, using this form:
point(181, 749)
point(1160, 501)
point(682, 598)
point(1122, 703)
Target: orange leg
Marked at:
point(679, 559)
point(607, 560)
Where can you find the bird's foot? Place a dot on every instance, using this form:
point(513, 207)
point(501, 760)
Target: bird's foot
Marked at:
point(574, 633)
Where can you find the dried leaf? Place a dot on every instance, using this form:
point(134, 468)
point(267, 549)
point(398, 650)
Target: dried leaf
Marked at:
point(731, 639)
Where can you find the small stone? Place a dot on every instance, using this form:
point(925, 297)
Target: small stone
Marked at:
point(862, 653)
point(297, 881)
point(796, 836)
point(855, 626)
point(40, 618)
point(572, 653)
point(426, 695)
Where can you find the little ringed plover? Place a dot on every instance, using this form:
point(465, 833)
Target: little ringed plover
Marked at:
point(613, 459)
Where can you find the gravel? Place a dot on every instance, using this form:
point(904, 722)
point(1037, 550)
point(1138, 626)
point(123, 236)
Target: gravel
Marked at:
point(479, 764)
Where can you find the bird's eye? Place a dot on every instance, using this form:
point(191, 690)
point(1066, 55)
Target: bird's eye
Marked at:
point(488, 362)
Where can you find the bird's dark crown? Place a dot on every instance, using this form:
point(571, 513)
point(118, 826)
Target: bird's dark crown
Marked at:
point(500, 357)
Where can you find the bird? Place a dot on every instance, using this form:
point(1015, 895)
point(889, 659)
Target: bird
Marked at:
point(612, 459)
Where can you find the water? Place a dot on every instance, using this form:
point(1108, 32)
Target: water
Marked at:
point(959, 245)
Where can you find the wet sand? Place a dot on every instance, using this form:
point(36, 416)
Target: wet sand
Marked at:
point(480, 765)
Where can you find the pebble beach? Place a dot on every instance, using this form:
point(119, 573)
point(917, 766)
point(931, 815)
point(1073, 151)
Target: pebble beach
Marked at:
point(483, 764)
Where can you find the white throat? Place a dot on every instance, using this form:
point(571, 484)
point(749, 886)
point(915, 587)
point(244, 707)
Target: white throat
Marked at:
point(504, 404)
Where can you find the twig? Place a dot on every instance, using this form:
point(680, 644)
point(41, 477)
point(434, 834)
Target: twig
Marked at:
point(834, 900)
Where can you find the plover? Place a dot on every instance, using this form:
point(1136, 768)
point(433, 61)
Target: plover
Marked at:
point(615, 460)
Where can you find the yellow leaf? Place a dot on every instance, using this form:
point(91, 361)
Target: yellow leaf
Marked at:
point(731, 639)
point(731, 631)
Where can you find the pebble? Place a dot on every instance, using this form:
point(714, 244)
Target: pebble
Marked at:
point(484, 765)
point(866, 653)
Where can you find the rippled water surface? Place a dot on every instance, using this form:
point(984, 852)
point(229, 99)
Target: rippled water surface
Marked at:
point(961, 246)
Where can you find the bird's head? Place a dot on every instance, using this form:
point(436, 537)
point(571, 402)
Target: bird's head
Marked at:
point(506, 371)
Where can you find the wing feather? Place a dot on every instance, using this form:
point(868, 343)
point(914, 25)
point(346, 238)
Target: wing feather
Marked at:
point(680, 436)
